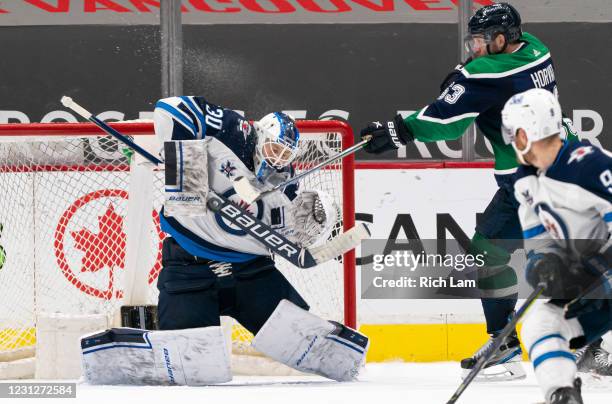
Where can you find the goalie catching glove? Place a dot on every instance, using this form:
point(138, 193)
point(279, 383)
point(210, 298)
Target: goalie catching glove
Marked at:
point(310, 218)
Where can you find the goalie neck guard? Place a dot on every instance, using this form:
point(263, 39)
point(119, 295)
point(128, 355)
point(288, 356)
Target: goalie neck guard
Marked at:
point(277, 143)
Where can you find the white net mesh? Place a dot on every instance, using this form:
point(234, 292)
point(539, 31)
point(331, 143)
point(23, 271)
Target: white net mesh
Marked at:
point(63, 235)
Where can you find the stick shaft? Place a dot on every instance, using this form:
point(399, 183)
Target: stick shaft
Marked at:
point(497, 341)
point(69, 103)
point(322, 164)
point(104, 126)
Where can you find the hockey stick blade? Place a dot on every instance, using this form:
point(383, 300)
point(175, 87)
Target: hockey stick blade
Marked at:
point(341, 244)
point(245, 190)
point(248, 193)
point(497, 341)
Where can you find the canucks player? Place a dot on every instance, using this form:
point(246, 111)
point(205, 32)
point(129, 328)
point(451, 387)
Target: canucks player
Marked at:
point(504, 61)
point(565, 195)
point(211, 268)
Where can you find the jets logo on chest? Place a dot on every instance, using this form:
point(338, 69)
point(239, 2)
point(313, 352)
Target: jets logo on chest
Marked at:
point(580, 153)
point(228, 169)
point(554, 224)
point(552, 229)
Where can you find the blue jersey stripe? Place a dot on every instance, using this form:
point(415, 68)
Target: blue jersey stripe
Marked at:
point(534, 231)
point(552, 355)
point(544, 338)
point(198, 113)
point(608, 217)
point(199, 247)
point(178, 116)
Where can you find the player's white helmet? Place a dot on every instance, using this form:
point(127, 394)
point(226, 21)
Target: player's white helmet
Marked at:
point(277, 142)
point(537, 112)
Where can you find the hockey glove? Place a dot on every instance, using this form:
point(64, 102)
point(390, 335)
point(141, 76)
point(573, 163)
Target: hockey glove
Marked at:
point(550, 270)
point(598, 290)
point(594, 299)
point(600, 262)
point(386, 136)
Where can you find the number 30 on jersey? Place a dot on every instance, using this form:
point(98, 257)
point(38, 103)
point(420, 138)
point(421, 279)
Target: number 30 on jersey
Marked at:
point(214, 117)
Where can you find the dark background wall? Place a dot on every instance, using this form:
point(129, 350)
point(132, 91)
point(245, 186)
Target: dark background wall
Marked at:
point(369, 71)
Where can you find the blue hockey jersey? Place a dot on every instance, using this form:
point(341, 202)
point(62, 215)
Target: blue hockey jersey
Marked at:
point(568, 202)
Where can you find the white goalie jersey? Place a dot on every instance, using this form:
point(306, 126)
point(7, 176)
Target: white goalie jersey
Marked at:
point(230, 143)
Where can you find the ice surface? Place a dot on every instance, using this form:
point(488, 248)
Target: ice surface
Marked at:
point(389, 383)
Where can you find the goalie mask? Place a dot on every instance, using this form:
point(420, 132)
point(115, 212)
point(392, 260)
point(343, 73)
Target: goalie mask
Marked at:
point(277, 143)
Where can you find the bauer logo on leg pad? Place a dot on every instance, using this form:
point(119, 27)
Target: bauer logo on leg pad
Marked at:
point(301, 358)
point(169, 366)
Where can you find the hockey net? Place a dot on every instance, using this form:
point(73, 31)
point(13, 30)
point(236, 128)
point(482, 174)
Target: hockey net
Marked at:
point(65, 242)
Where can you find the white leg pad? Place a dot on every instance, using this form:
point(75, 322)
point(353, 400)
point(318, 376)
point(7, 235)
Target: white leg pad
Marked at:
point(546, 334)
point(193, 357)
point(308, 343)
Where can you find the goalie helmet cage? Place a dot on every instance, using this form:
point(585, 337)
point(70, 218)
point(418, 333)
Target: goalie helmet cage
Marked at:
point(69, 235)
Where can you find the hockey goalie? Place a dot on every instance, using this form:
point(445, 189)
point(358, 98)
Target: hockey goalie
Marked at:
point(211, 268)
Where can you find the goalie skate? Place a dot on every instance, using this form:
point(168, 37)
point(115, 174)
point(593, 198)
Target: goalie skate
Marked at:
point(504, 365)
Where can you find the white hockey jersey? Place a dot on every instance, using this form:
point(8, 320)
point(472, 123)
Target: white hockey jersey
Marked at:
point(230, 154)
point(570, 203)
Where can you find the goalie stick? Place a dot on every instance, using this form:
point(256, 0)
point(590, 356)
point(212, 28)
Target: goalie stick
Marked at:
point(250, 194)
point(301, 257)
point(496, 343)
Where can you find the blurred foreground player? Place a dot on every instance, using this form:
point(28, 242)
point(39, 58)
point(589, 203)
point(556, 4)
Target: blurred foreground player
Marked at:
point(212, 268)
point(565, 195)
point(504, 61)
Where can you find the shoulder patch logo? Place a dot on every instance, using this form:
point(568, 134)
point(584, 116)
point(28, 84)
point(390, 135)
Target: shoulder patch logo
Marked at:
point(536, 53)
point(579, 154)
point(527, 195)
point(244, 127)
point(228, 169)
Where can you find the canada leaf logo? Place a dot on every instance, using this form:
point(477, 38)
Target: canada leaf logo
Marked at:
point(98, 250)
point(105, 249)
